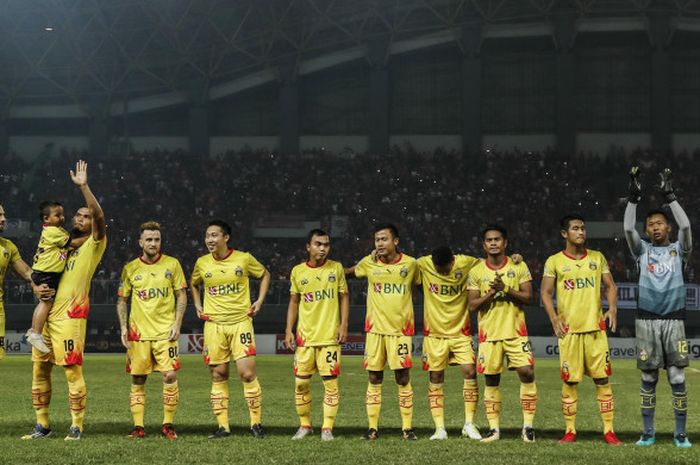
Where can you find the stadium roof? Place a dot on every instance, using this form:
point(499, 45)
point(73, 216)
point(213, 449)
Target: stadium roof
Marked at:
point(77, 51)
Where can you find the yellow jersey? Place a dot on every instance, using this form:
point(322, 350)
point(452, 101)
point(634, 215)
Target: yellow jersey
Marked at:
point(389, 294)
point(8, 256)
point(52, 252)
point(503, 318)
point(152, 289)
point(319, 289)
point(445, 311)
point(578, 288)
point(73, 295)
point(226, 285)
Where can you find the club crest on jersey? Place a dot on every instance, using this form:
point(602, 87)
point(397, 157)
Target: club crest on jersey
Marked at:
point(239, 271)
point(403, 272)
point(673, 252)
point(510, 274)
point(304, 282)
point(168, 274)
point(592, 265)
point(459, 274)
point(5, 253)
point(331, 277)
point(207, 275)
point(138, 277)
point(643, 355)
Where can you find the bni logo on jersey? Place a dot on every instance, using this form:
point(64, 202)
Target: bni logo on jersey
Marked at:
point(388, 288)
point(310, 297)
point(578, 283)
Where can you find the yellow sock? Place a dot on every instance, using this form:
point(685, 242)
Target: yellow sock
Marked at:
point(302, 400)
point(171, 394)
point(470, 393)
point(492, 404)
point(253, 397)
point(436, 401)
point(606, 405)
point(569, 399)
point(528, 402)
point(331, 399)
point(406, 405)
point(77, 395)
point(219, 402)
point(137, 403)
point(41, 392)
point(373, 402)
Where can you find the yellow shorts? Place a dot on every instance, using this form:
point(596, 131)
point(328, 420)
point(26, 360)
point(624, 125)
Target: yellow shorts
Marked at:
point(517, 352)
point(438, 352)
point(2, 334)
point(584, 353)
point(66, 342)
point(145, 357)
point(381, 349)
point(324, 359)
point(223, 342)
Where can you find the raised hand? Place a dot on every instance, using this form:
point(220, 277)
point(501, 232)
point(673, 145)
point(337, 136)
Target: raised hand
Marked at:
point(79, 177)
point(635, 188)
point(666, 185)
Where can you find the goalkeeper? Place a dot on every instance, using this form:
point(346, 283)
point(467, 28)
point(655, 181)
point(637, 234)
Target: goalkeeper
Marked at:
point(660, 329)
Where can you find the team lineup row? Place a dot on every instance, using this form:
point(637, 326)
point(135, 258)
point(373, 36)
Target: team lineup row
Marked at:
point(152, 301)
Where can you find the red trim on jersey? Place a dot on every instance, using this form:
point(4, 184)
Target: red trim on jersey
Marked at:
point(308, 263)
point(394, 262)
point(574, 258)
point(230, 251)
point(156, 260)
point(505, 262)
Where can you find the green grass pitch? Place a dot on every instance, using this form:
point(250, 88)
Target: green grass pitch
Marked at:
point(108, 420)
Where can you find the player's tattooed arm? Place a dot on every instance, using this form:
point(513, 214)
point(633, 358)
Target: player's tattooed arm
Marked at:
point(292, 313)
point(197, 299)
point(547, 294)
point(180, 307)
point(122, 315)
point(611, 293)
point(264, 287)
point(344, 317)
point(350, 272)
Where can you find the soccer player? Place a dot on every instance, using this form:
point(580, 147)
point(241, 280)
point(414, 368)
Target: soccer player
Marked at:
point(318, 291)
point(158, 291)
point(389, 325)
point(498, 290)
point(224, 274)
point(579, 322)
point(64, 331)
point(660, 330)
point(9, 256)
point(49, 262)
point(447, 333)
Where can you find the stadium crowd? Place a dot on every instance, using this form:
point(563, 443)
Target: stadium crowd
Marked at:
point(435, 198)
